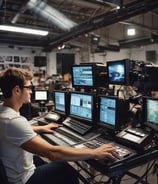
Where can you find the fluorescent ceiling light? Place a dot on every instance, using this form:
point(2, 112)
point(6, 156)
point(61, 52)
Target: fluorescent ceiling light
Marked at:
point(23, 30)
point(131, 32)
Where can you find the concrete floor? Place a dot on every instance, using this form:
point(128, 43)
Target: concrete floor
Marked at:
point(150, 177)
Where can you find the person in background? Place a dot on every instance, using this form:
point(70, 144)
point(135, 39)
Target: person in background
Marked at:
point(67, 83)
point(19, 141)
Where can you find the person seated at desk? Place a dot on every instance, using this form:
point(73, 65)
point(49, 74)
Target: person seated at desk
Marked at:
point(19, 140)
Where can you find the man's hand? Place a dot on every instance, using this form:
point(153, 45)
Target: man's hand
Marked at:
point(46, 128)
point(106, 151)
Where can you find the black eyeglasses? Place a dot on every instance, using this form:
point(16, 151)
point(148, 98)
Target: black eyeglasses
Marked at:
point(28, 87)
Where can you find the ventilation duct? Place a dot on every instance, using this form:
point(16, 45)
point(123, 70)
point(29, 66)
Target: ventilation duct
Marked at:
point(50, 14)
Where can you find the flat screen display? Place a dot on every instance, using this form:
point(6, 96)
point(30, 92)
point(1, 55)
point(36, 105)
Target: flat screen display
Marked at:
point(82, 106)
point(107, 111)
point(60, 101)
point(112, 112)
point(83, 75)
point(150, 107)
point(118, 72)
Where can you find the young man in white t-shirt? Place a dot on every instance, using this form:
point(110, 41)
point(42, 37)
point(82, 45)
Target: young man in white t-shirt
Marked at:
point(19, 140)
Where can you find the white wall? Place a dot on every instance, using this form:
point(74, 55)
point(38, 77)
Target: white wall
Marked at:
point(134, 54)
point(140, 54)
point(21, 52)
point(80, 55)
point(109, 56)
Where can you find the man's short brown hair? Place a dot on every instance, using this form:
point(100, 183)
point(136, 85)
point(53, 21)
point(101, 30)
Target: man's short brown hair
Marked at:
point(11, 77)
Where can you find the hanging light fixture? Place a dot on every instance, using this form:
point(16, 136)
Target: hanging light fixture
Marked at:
point(23, 30)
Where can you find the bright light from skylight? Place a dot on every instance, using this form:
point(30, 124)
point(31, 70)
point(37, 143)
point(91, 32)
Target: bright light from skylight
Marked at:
point(131, 31)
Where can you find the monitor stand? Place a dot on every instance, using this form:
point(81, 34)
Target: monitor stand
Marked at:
point(43, 109)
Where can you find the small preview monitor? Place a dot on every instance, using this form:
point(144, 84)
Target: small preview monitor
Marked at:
point(112, 112)
point(150, 112)
point(82, 106)
point(41, 95)
point(61, 102)
point(118, 72)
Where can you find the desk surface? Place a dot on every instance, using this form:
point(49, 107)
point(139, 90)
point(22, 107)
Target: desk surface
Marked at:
point(104, 166)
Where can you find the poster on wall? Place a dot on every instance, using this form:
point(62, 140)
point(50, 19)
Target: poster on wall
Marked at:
point(2, 59)
point(1, 67)
point(25, 60)
point(15, 61)
point(9, 58)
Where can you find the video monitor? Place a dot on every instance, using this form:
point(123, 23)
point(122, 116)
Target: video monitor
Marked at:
point(89, 75)
point(61, 102)
point(150, 112)
point(82, 106)
point(112, 112)
point(41, 95)
point(118, 72)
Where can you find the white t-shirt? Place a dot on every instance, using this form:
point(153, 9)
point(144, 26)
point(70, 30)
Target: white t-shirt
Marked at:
point(14, 131)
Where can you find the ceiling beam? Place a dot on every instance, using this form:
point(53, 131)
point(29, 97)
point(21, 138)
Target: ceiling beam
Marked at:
point(110, 2)
point(21, 11)
point(1, 1)
point(138, 42)
point(132, 9)
point(141, 26)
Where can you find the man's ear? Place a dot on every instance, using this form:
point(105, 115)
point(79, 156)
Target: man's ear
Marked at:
point(16, 89)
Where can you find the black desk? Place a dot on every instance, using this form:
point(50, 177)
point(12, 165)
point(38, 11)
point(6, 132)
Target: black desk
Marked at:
point(116, 170)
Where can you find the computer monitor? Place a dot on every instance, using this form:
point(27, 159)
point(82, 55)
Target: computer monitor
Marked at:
point(61, 102)
point(118, 72)
point(150, 112)
point(112, 112)
point(82, 106)
point(40, 95)
point(89, 75)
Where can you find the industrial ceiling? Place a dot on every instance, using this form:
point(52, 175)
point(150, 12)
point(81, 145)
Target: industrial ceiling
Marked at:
point(73, 23)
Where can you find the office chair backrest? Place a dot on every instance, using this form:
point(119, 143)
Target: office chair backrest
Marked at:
point(3, 176)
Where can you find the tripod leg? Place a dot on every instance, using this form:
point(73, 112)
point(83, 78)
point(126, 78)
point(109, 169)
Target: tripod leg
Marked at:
point(114, 180)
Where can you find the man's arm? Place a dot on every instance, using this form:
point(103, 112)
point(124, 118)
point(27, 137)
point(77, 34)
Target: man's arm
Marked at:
point(39, 146)
point(45, 128)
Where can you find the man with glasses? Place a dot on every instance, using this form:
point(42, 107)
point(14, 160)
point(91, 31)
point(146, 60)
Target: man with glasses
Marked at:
point(19, 140)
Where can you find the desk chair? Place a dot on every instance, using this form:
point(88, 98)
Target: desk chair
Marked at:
point(3, 176)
